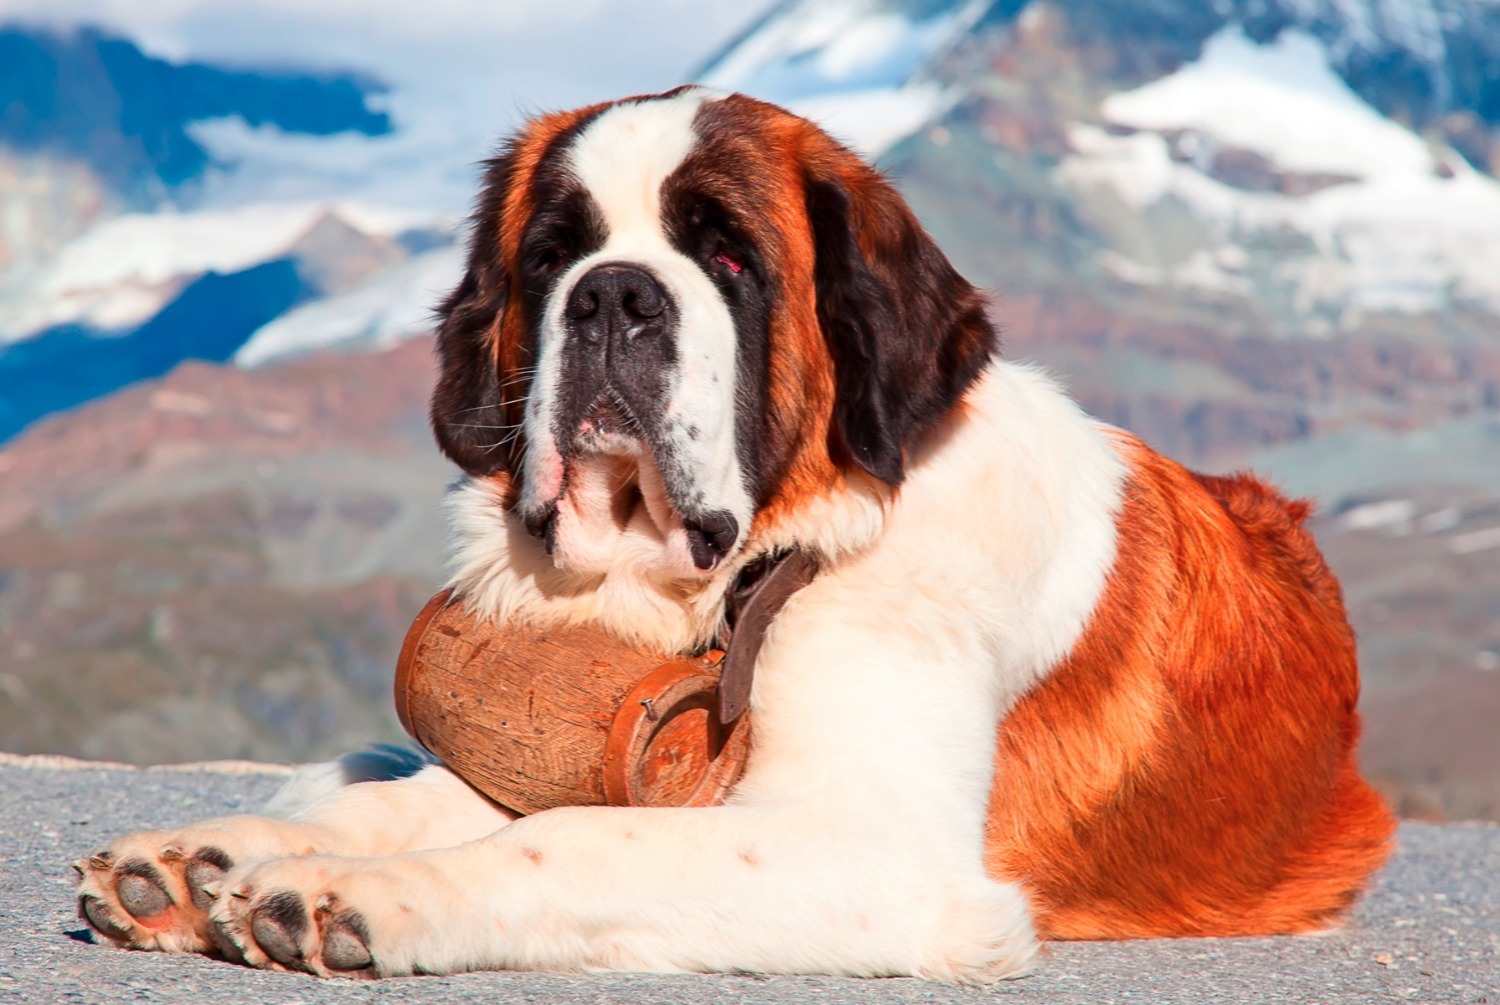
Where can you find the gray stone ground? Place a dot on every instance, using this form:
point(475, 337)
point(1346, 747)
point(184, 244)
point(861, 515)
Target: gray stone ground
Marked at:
point(1428, 932)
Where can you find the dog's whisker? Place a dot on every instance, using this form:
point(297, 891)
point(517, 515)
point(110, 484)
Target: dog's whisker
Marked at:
point(506, 440)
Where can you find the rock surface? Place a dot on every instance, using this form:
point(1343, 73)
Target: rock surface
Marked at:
point(222, 563)
point(1429, 931)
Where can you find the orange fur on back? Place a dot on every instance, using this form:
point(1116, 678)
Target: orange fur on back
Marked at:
point(1189, 770)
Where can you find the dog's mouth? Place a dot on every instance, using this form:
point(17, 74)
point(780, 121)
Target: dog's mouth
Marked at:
point(607, 427)
point(614, 495)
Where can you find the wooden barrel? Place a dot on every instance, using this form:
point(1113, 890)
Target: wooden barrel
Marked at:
point(566, 716)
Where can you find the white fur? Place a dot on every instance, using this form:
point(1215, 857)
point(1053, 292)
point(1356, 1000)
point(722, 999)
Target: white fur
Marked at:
point(505, 574)
point(854, 844)
point(310, 784)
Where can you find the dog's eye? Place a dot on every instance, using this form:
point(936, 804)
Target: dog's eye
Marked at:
point(729, 260)
point(551, 259)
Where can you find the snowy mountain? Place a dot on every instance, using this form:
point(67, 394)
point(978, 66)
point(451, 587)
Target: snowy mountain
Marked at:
point(859, 68)
point(1366, 132)
point(143, 271)
point(1423, 62)
point(318, 205)
point(90, 97)
point(1279, 169)
point(1265, 142)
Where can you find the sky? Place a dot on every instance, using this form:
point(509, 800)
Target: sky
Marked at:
point(462, 74)
point(525, 54)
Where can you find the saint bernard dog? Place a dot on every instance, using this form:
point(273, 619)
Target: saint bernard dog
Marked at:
point(1046, 684)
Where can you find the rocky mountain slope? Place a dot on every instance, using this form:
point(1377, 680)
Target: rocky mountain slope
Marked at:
point(220, 563)
point(223, 563)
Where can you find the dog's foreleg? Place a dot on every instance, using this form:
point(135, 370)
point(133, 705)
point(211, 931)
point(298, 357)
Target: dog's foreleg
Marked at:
point(854, 845)
point(728, 888)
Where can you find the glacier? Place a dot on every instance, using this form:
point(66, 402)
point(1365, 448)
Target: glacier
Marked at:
point(1402, 226)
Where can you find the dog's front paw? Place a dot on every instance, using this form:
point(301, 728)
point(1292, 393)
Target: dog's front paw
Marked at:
point(153, 889)
point(321, 914)
point(985, 936)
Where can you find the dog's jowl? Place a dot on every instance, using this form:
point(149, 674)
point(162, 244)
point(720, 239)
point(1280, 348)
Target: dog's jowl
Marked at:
point(1046, 683)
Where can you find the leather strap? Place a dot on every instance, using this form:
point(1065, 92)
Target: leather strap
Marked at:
point(759, 593)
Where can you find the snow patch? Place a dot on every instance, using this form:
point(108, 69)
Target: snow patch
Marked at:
point(1440, 521)
point(394, 305)
point(1205, 269)
point(1378, 515)
point(124, 270)
point(1475, 540)
point(848, 65)
point(818, 47)
point(1402, 236)
point(1281, 100)
point(1138, 167)
point(871, 122)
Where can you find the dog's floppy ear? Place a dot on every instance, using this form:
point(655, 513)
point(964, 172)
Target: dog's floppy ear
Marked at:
point(467, 413)
point(907, 333)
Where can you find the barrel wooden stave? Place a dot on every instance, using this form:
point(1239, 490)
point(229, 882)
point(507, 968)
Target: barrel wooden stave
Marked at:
point(536, 718)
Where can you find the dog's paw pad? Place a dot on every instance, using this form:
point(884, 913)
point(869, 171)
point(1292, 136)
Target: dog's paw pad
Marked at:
point(279, 924)
point(202, 874)
point(99, 916)
point(346, 940)
point(276, 929)
point(140, 889)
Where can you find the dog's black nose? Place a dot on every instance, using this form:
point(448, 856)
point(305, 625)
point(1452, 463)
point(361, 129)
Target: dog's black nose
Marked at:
point(621, 322)
point(616, 301)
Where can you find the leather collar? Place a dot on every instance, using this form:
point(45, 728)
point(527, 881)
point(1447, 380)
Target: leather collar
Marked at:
point(759, 592)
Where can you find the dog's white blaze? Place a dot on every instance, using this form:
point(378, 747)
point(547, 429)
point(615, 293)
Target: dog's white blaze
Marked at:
point(624, 155)
point(622, 159)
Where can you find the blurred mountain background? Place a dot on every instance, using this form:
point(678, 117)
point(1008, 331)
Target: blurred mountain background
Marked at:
point(1256, 232)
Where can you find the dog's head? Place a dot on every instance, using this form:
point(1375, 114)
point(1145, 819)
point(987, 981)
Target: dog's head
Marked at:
point(684, 316)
